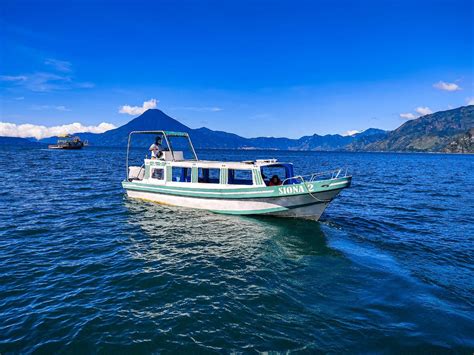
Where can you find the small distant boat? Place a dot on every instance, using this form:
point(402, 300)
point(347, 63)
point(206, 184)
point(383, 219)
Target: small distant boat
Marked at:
point(68, 142)
point(241, 188)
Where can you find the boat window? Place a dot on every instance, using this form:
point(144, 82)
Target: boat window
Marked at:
point(181, 174)
point(158, 174)
point(208, 176)
point(240, 177)
point(283, 171)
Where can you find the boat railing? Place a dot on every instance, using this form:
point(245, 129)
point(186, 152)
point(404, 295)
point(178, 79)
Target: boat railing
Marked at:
point(324, 175)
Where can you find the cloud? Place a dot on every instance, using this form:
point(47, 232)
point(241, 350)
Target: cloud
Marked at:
point(351, 132)
point(59, 65)
point(212, 109)
point(61, 78)
point(200, 108)
point(407, 116)
point(50, 107)
point(44, 82)
point(85, 85)
point(13, 78)
point(39, 132)
point(470, 100)
point(423, 110)
point(441, 85)
point(138, 110)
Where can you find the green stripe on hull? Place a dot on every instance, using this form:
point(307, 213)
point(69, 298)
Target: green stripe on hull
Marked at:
point(243, 193)
point(216, 195)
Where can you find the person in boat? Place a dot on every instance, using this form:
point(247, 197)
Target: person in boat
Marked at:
point(274, 181)
point(156, 149)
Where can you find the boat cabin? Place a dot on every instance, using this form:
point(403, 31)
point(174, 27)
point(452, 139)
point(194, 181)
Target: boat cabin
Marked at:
point(179, 165)
point(68, 142)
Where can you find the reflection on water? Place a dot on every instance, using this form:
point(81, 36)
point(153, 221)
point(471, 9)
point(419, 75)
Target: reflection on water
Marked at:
point(183, 230)
point(298, 237)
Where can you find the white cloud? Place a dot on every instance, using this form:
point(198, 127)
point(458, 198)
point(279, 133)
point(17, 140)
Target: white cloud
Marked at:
point(50, 107)
point(138, 110)
point(470, 100)
point(61, 78)
point(45, 82)
point(13, 78)
point(423, 110)
point(39, 132)
point(59, 65)
point(351, 132)
point(442, 85)
point(407, 116)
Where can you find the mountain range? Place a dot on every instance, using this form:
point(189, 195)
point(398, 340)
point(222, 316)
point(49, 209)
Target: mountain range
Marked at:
point(437, 132)
point(17, 141)
point(443, 131)
point(154, 119)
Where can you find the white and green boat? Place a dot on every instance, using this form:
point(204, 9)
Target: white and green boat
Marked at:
point(181, 179)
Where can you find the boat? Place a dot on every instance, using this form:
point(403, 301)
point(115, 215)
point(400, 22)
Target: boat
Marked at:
point(68, 142)
point(179, 178)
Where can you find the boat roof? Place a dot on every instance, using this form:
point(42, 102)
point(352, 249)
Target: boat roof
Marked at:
point(68, 138)
point(167, 133)
point(247, 164)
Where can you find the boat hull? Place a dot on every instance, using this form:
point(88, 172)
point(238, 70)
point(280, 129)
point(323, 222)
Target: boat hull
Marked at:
point(64, 147)
point(306, 205)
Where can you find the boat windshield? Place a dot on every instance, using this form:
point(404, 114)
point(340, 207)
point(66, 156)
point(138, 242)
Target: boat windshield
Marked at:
point(181, 147)
point(282, 170)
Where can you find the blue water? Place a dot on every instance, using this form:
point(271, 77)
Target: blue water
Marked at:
point(389, 267)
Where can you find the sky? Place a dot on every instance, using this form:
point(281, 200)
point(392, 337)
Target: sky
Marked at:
point(255, 68)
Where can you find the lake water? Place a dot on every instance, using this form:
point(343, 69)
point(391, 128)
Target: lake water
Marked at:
point(389, 267)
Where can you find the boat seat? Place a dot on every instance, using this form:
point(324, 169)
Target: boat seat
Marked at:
point(178, 155)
